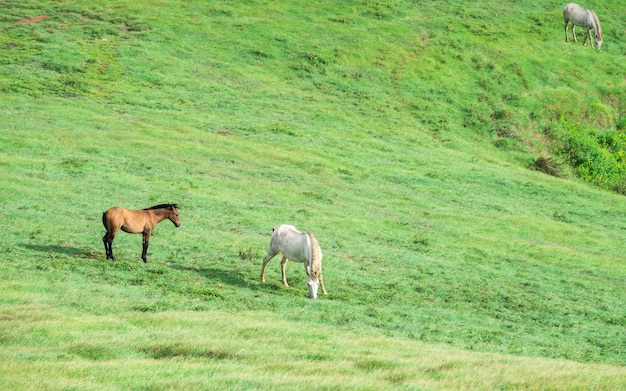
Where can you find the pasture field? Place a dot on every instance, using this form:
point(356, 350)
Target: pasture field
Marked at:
point(414, 138)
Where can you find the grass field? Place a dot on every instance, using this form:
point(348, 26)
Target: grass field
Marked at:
point(405, 134)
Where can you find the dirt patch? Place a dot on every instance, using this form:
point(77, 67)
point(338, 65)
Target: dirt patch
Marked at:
point(36, 19)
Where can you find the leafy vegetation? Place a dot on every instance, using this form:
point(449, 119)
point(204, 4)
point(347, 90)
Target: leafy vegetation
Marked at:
point(403, 133)
point(596, 157)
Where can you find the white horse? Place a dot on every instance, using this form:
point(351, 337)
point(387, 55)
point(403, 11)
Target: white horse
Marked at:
point(298, 247)
point(585, 18)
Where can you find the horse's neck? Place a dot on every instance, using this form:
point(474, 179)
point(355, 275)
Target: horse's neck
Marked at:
point(159, 215)
point(315, 250)
point(591, 21)
point(595, 24)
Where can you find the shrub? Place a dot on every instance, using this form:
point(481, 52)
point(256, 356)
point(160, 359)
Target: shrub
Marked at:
point(596, 157)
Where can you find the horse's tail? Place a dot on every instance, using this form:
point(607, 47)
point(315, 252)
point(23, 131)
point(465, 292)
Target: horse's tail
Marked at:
point(105, 221)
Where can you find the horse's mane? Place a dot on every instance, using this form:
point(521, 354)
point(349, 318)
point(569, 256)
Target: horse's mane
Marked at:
point(597, 22)
point(162, 206)
point(315, 253)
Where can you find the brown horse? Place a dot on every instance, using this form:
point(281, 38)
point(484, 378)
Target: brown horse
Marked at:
point(136, 222)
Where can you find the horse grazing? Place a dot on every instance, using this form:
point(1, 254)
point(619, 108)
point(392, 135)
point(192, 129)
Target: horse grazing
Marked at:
point(298, 247)
point(136, 222)
point(584, 18)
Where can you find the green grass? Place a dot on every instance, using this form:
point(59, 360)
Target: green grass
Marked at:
point(225, 350)
point(404, 134)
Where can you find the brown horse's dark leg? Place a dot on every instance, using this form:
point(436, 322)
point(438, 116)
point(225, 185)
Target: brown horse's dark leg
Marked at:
point(108, 245)
point(146, 243)
point(111, 237)
point(144, 253)
point(105, 240)
point(108, 237)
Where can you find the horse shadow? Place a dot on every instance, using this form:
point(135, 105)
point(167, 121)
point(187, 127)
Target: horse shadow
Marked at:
point(66, 250)
point(232, 278)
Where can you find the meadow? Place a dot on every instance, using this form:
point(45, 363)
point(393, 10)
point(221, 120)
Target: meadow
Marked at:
point(459, 164)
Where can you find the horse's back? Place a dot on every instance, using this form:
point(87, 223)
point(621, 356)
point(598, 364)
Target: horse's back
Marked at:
point(292, 243)
point(110, 214)
point(575, 13)
point(117, 216)
point(572, 7)
point(284, 229)
point(285, 233)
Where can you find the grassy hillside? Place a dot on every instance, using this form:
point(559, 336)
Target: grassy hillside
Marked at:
point(405, 134)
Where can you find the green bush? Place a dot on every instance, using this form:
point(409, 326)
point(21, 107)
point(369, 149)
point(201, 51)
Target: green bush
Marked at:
point(596, 157)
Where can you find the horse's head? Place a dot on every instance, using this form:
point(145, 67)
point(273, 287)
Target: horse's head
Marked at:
point(597, 42)
point(174, 216)
point(313, 282)
point(597, 29)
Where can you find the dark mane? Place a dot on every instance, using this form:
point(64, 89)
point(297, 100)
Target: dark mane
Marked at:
point(163, 206)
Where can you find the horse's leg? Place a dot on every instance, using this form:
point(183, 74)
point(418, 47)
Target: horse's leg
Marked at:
point(283, 265)
point(108, 244)
point(574, 32)
point(588, 35)
point(105, 240)
point(270, 254)
point(146, 243)
point(566, 37)
point(144, 251)
point(322, 282)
